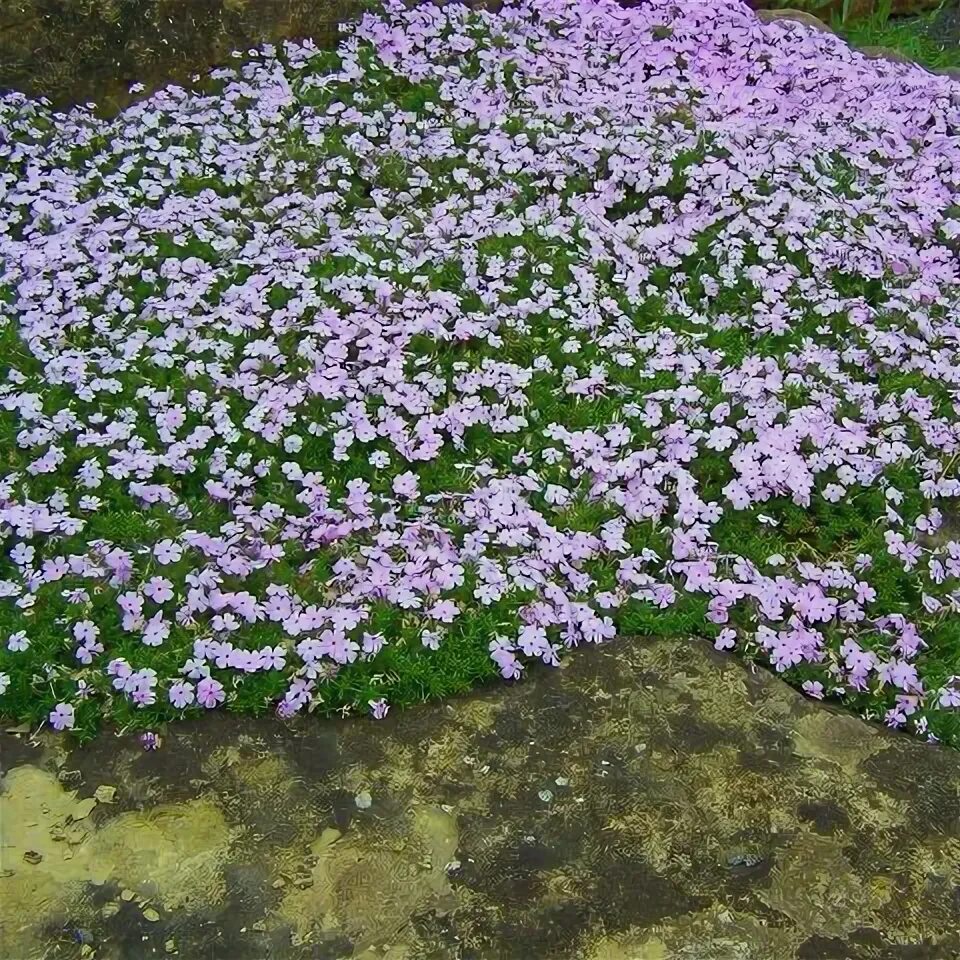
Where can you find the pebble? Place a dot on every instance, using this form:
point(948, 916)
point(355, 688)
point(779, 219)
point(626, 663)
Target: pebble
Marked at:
point(741, 859)
point(105, 794)
point(76, 834)
point(363, 800)
point(83, 809)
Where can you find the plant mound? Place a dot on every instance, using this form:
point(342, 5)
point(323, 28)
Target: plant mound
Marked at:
point(350, 378)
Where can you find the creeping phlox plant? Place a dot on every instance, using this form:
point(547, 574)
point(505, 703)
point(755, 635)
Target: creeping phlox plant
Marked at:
point(349, 378)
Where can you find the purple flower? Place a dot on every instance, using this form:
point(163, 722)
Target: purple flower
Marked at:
point(286, 709)
point(273, 658)
point(167, 551)
point(405, 485)
point(726, 639)
point(210, 693)
point(949, 698)
point(158, 589)
point(22, 554)
point(181, 694)
point(85, 631)
point(379, 708)
point(143, 696)
point(372, 643)
point(62, 717)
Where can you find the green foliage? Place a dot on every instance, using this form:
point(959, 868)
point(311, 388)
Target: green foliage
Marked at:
point(921, 38)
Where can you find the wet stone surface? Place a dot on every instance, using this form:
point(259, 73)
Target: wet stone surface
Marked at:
point(73, 51)
point(645, 801)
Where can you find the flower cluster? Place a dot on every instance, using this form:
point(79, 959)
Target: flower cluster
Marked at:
point(505, 332)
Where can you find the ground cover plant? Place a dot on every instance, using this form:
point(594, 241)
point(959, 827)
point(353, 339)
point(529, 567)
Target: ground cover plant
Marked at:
point(356, 377)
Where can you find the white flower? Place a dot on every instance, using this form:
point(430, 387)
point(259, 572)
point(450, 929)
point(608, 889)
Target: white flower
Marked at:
point(555, 494)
